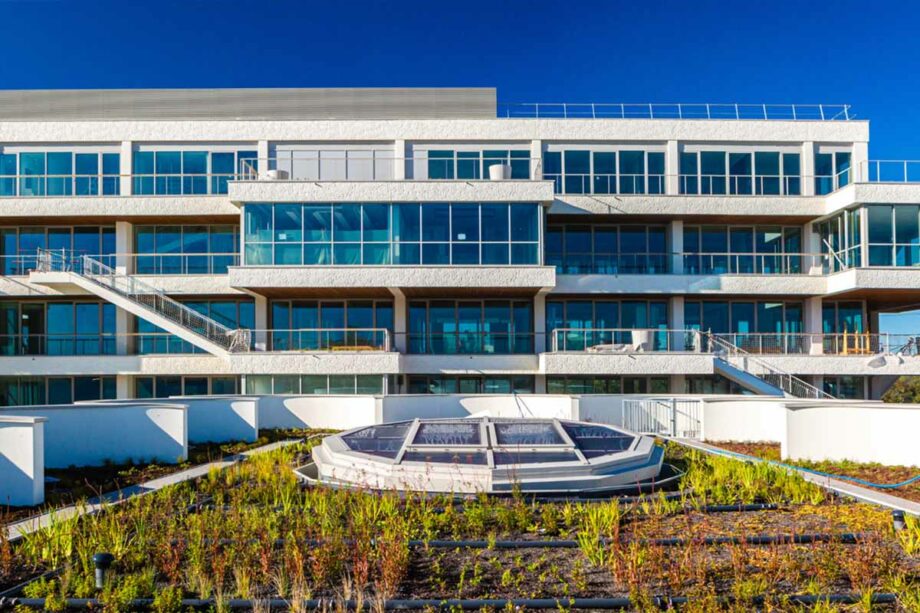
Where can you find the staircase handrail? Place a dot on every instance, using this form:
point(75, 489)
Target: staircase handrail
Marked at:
point(94, 270)
point(777, 377)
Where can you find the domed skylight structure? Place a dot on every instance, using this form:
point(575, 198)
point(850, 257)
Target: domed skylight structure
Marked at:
point(489, 455)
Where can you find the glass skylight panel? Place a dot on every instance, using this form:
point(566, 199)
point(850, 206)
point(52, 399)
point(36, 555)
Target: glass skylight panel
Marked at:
point(448, 433)
point(506, 458)
point(461, 458)
point(385, 440)
point(528, 433)
point(596, 441)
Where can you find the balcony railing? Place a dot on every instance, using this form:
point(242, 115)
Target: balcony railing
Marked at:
point(591, 110)
point(58, 344)
point(840, 344)
point(180, 263)
point(326, 339)
point(611, 264)
point(71, 185)
point(890, 171)
point(471, 343)
point(754, 263)
point(623, 340)
point(419, 167)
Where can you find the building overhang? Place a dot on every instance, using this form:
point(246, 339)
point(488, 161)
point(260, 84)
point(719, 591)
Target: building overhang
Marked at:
point(511, 191)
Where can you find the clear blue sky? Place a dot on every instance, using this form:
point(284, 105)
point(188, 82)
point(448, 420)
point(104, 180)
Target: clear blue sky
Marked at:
point(806, 51)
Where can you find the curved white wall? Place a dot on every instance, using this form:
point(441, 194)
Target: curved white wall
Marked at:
point(869, 432)
point(220, 419)
point(750, 419)
point(91, 434)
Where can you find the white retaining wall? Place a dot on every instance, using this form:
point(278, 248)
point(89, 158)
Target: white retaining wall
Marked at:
point(753, 419)
point(91, 434)
point(401, 407)
point(334, 412)
point(22, 461)
point(862, 432)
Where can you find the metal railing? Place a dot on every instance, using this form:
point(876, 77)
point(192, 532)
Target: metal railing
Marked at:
point(778, 378)
point(326, 339)
point(740, 185)
point(890, 171)
point(773, 112)
point(64, 185)
point(23, 263)
point(471, 343)
point(676, 417)
point(145, 295)
point(27, 343)
point(377, 168)
point(754, 263)
point(840, 344)
point(623, 340)
point(601, 184)
point(180, 263)
point(611, 264)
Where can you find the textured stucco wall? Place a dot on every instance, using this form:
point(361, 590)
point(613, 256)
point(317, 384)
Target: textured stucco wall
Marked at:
point(802, 285)
point(120, 207)
point(391, 191)
point(798, 206)
point(744, 419)
point(631, 364)
point(436, 130)
point(485, 277)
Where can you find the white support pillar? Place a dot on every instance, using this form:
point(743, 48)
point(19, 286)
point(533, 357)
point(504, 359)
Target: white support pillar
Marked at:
point(260, 307)
point(813, 264)
point(676, 246)
point(672, 168)
point(678, 384)
point(677, 325)
point(399, 341)
point(540, 342)
point(124, 247)
point(814, 325)
point(536, 160)
point(126, 167)
point(539, 384)
point(262, 153)
point(860, 162)
point(123, 387)
point(400, 160)
point(808, 168)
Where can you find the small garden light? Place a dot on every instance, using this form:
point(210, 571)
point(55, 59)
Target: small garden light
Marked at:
point(897, 519)
point(102, 562)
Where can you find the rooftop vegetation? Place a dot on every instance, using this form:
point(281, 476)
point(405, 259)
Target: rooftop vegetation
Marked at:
point(253, 532)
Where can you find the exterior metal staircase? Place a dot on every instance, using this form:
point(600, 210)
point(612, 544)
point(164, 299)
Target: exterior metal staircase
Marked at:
point(145, 301)
point(756, 374)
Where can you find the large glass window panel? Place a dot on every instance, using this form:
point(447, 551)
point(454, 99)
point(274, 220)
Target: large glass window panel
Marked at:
point(32, 174)
point(465, 222)
point(288, 223)
point(766, 164)
point(577, 172)
point(259, 223)
point(194, 171)
point(168, 165)
point(712, 172)
point(8, 174)
point(346, 222)
point(632, 172)
point(792, 182)
point(406, 222)
point(86, 167)
point(60, 171)
point(441, 164)
point(376, 221)
point(656, 178)
point(111, 170)
point(436, 222)
point(740, 169)
point(495, 220)
point(605, 169)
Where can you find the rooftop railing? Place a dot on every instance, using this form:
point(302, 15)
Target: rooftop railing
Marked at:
point(623, 340)
point(771, 112)
point(384, 168)
point(890, 171)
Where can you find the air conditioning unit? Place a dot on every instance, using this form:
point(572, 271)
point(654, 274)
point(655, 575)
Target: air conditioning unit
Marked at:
point(499, 172)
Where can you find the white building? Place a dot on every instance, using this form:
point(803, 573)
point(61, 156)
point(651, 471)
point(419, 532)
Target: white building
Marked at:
point(431, 241)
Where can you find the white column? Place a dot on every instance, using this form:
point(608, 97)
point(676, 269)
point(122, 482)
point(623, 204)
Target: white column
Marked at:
point(123, 387)
point(262, 152)
point(124, 247)
point(536, 159)
point(400, 161)
point(539, 384)
point(860, 162)
point(126, 167)
point(261, 322)
point(678, 384)
point(676, 314)
point(676, 246)
point(808, 168)
point(399, 341)
point(540, 342)
point(812, 246)
point(814, 325)
point(672, 168)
